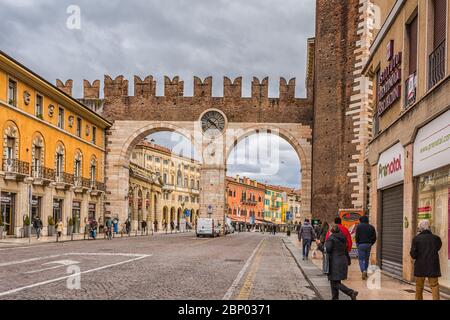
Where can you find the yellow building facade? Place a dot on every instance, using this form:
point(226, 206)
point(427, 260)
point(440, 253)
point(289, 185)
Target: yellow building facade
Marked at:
point(53, 146)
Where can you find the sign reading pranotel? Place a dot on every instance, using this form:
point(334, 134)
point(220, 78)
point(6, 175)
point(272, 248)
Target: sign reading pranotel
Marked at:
point(432, 145)
point(390, 168)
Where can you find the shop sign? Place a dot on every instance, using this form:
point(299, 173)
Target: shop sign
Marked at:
point(391, 166)
point(432, 145)
point(5, 199)
point(76, 205)
point(424, 213)
point(389, 81)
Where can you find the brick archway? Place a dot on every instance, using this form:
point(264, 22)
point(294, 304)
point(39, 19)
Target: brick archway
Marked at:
point(135, 117)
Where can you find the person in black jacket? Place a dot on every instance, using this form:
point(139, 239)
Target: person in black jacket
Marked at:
point(336, 247)
point(365, 238)
point(425, 251)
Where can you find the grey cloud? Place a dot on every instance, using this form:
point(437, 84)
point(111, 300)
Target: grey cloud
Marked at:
point(195, 37)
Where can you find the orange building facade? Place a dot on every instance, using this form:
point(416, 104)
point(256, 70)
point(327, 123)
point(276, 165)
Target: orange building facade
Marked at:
point(245, 201)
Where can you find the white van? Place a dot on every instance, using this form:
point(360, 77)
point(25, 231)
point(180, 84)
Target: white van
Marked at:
point(207, 227)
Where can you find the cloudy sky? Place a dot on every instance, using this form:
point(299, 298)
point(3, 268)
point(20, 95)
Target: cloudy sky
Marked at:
point(160, 37)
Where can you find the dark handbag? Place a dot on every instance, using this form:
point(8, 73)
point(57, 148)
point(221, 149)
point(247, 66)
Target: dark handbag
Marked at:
point(321, 247)
point(349, 260)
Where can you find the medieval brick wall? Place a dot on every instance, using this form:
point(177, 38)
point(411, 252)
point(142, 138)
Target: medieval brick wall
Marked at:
point(333, 149)
point(175, 106)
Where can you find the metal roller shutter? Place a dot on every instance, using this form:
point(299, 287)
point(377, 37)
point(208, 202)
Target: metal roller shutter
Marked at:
point(392, 230)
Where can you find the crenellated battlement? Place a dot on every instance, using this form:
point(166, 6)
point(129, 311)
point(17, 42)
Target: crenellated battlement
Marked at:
point(174, 88)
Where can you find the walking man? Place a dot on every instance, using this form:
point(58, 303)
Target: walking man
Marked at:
point(307, 236)
point(365, 238)
point(425, 251)
point(37, 225)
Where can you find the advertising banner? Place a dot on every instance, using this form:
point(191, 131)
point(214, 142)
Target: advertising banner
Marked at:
point(391, 166)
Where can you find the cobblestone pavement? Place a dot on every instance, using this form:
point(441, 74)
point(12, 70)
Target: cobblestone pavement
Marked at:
point(180, 266)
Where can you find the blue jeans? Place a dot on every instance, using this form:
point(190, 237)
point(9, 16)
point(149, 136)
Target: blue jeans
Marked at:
point(364, 256)
point(306, 247)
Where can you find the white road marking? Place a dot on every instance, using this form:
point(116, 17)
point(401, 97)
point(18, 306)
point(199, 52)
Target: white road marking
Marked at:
point(138, 257)
point(236, 281)
point(60, 263)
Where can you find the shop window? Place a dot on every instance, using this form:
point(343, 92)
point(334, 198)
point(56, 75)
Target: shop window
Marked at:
point(434, 205)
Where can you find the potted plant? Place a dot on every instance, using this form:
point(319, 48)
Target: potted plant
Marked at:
point(70, 227)
point(26, 227)
point(40, 116)
point(51, 226)
point(12, 102)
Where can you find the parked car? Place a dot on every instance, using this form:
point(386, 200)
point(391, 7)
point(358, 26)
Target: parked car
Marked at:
point(207, 227)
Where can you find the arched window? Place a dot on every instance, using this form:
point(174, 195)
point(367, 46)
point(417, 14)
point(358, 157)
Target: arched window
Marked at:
point(78, 165)
point(165, 178)
point(192, 184)
point(93, 170)
point(11, 142)
point(179, 178)
point(59, 160)
point(37, 156)
point(185, 182)
point(198, 184)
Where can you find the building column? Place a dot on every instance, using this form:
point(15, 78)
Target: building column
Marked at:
point(409, 219)
point(67, 210)
point(47, 208)
point(134, 211)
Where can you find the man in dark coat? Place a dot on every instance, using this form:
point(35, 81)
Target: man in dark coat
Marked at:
point(336, 247)
point(425, 251)
point(307, 236)
point(365, 238)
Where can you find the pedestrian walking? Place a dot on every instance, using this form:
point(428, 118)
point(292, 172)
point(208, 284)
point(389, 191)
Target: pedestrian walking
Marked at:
point(344, 231)
point(366, 237)
point(339, 259)
point(155, 225)
point(321, 238)
point(307, 236)
point(37, 225)
point(59, 228)
point(144, 226)
point(172, 226)
point(425, 251)
point(128, 226)
point(109, 227)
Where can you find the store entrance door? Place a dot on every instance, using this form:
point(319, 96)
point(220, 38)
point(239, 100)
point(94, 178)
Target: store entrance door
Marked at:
point(8, 212)
point(76, 216)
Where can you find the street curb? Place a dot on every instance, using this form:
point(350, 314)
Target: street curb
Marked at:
point(318, 281)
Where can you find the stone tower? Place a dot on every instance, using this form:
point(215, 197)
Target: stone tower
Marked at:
point(341, 101)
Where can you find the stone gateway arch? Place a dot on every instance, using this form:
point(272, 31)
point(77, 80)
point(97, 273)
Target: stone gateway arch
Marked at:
point(214, 125)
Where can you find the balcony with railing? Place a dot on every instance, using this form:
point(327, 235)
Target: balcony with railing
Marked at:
point(249, 202)
point(64, 180)
point(436, 65)
point(42, 175)
point(15, 169)
point(96, 187)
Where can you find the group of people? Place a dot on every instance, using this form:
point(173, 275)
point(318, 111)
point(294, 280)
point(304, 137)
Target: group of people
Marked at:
point(37, 225)
point(335, 242)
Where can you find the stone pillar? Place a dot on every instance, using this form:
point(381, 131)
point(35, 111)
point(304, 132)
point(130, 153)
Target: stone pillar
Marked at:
point(134, 210)
point(67, 210)
point(47, 208)
point(158, 208)
point(409, 220)
point(213, 192)
point(84, 211)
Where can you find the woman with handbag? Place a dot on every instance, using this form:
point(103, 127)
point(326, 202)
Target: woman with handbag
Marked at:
point(339, 260)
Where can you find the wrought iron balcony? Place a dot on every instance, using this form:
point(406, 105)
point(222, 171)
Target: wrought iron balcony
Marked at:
point(42, 173)
point(66, 178)
point(436, 65)
point(249, 202)
point(97, 186)
point(16, 167)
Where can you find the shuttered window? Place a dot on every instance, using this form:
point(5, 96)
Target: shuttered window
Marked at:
point(412, 34)
point(440, 19)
